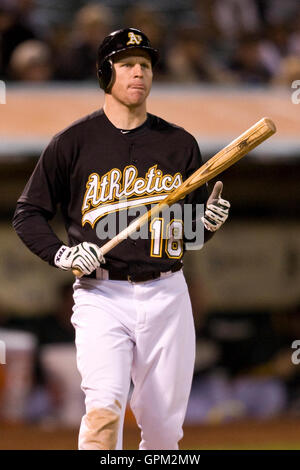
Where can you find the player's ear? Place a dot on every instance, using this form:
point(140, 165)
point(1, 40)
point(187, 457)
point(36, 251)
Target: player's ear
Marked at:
point(106, 75)
point(112, 75)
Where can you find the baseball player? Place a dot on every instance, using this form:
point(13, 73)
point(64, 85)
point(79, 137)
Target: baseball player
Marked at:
point(132, 312)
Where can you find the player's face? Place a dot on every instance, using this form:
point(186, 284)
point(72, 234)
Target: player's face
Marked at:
point(132, 77)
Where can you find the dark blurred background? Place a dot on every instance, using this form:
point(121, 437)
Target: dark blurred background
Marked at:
point(224, 64)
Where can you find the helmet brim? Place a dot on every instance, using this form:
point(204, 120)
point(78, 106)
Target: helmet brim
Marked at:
point(153, 53)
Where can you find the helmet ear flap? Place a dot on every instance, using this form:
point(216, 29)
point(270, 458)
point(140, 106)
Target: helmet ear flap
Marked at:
point(105, 74)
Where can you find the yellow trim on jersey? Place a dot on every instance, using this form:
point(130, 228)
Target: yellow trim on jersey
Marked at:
point(104, 209)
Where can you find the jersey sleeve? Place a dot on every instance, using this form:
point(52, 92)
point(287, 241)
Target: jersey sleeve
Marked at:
point(45, 189)
point(47, 185)
point(31, 225)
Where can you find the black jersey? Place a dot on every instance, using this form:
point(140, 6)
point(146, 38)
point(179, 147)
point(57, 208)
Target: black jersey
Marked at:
point(94, 172)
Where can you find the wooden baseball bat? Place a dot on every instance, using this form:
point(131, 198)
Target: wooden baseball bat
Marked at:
point(226, 157)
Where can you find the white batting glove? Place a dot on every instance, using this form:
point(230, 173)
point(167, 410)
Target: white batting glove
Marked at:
point(217, 209)
point(86, 257)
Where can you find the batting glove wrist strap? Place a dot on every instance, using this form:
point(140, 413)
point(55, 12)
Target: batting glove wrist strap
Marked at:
point(216, 214)
point(86, 257)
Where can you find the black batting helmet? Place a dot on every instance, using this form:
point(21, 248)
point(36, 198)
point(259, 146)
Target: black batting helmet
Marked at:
point(121, 40)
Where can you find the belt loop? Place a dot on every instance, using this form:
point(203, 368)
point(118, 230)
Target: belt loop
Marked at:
point(102, 274)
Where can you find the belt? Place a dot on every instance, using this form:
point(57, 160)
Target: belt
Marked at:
point(114, 275)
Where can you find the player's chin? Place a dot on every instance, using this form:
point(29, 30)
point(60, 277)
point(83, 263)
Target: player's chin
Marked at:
point(137, 95)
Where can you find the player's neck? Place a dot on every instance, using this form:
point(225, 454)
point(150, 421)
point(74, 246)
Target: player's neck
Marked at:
point(124, 117)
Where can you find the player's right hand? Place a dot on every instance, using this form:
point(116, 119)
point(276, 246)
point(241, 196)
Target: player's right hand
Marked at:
point(217, 209)
point(86, 257)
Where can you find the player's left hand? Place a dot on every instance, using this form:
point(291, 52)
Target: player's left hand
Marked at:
point(217, 209)
point(85, 257)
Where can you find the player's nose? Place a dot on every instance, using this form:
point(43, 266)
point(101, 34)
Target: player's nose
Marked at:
point(137, 70)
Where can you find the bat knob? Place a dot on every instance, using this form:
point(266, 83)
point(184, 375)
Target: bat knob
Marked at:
point(77, 272)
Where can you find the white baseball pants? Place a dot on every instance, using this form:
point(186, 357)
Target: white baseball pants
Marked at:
point(139, 331)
